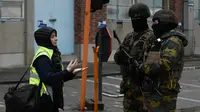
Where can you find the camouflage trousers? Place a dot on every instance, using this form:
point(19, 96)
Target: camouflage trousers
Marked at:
point(133, 100)
point(164, 103)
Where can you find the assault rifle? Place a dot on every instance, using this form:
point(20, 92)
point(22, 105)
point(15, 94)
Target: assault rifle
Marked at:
point(134, 65)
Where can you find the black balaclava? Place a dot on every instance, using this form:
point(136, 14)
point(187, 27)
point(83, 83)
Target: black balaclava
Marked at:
point(162, 28)
point(139, 25)
point(43, 35)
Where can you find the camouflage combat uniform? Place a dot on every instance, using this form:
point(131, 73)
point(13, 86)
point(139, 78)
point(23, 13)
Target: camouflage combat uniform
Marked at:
point(164, 67)
point(137, 45)
point(133, 42)
point(133, 98)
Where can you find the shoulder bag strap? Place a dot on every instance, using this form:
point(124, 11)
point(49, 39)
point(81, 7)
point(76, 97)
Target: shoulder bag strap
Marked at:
point(21, 78)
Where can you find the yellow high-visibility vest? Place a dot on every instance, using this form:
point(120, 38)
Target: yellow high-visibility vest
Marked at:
point(34, 77)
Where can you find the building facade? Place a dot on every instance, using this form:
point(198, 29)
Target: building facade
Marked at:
point(12, 45)
point(188, 17)
point(188, 12)
point(19, 20)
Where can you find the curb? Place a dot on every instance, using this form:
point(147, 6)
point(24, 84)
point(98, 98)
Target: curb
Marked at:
point(191, 68)
point(103, 75)
point(190, 109)
point(76, 77)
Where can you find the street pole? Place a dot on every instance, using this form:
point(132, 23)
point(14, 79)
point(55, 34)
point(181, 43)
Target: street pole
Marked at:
point(25, 31)
point(101, 26)
point(100, 63)
point(168, 4)
point(85, 53)
point(95, 50)
point(188, 28)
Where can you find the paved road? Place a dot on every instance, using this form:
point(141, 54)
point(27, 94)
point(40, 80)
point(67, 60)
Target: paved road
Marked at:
point(189, 96)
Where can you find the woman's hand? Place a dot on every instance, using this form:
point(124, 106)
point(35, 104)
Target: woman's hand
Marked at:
point(72, 67)
point(77, 70)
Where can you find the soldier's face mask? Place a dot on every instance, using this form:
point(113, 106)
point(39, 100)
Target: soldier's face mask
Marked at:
point(156, 28)
point(139, 24)
point(159, 28)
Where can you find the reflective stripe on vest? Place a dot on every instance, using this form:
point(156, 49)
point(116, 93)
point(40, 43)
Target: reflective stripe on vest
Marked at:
point(45, 88)
point(34, 78)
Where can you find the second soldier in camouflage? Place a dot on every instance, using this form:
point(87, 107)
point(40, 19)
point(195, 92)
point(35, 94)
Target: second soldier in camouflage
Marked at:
point(164, 64)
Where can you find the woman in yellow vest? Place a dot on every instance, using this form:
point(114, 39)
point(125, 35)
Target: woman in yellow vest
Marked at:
point(47, 70)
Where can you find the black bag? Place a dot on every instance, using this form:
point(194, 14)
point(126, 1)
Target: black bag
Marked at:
point(23, 99)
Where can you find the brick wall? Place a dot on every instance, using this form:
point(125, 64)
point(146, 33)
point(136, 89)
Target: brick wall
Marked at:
point(79, 9)
point(176, 6)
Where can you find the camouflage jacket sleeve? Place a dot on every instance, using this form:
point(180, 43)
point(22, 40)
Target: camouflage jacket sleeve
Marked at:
point(142, 46)
point(120, 57)
point(149, 40)
point(169, 56)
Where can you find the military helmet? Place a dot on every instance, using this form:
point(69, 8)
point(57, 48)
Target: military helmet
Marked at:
point(139, 10)
point(166, 17)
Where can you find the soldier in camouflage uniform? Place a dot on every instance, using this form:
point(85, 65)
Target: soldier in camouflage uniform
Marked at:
point(164, 64)
point(136, 44)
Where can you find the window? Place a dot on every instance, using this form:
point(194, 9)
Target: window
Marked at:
point(197, 10)
point(154, 5)
point(147, 2)
point(12, 9)
point(158, 3)
point(118, 9)
point(123, 7)
point(112, 9)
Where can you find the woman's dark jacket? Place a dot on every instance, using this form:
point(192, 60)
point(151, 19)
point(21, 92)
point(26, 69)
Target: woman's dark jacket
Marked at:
point(50, 71)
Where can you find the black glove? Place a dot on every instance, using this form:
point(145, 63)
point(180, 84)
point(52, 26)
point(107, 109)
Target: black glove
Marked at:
point(141, 69)
point(120, 56)
point(123, 47)
point(140, 75)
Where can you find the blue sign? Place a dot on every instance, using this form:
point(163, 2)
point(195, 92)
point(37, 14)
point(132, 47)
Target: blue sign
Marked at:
point(41, 23)
point(102, 24)
point(190, 3)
